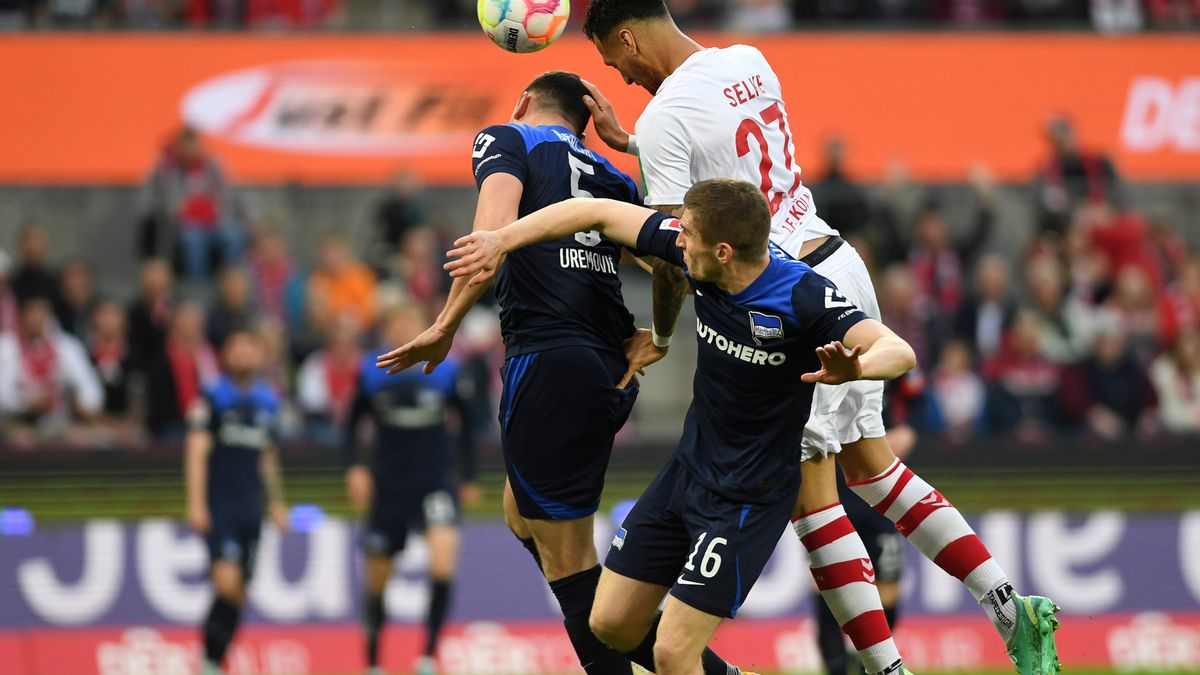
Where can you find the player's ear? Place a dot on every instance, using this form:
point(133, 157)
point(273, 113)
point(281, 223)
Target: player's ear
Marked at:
point(628, 41)
point(522, 107)
point(724, 253)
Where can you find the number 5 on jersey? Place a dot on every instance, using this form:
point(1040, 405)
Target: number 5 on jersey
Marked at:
point(578, 168)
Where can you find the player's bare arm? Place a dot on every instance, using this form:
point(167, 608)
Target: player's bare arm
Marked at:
point(499, 199)
point(877, 353)
point(197, 447)
point(272, 480)
point(478, 255)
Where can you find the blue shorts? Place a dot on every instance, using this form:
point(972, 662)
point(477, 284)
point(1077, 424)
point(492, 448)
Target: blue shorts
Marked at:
point(559, 412)
point(391, 519)
point(707, 549)
point(234, 537)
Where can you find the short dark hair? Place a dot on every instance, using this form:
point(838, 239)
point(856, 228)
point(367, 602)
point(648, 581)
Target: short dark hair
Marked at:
point(604, 16)
point(731, 211)
point(563, 92)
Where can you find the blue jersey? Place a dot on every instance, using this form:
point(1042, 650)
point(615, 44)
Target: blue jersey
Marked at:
point(242, 422)
point(564, 292)
point(741, 438)
point(412, 442)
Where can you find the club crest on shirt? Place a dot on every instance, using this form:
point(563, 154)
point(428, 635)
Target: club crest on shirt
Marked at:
point(765, 327)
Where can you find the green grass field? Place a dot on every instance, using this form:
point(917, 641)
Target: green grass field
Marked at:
point(72, 496)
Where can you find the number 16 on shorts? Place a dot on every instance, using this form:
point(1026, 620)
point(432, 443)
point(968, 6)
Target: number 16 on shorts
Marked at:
point(710, 561)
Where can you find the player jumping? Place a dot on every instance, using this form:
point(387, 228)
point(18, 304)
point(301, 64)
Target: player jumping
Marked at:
point(564, 324)
point(768, 329)
point(411, 480)
point(720, 112)
point(231, 460)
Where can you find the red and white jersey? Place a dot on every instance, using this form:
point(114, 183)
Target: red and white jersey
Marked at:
point(721, 115)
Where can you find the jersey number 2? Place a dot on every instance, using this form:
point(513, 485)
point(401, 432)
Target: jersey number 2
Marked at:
point(772, 114)
point(579, 167)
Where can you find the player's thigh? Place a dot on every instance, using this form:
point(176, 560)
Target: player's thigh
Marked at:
point(512, 518)
point(566, 546)
point(818, 485)
point(624, 609)
point(866, 458)
point(652, 543)
point(682, 635)
point(443, 542)
point(385, 532)
point(559, 414)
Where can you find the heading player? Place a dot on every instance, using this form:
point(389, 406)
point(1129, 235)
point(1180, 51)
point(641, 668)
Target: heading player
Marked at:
point(564, 324)
point(720, 112)
point(231, 460)
point(409, 480)
point(768, 329)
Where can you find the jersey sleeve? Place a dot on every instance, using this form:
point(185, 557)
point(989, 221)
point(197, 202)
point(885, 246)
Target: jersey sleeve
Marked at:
point(658, 236)
point(664, 152)
point(822, 309)
point(498, 149)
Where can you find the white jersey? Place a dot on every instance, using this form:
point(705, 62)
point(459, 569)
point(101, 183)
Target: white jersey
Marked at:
point(721, 115)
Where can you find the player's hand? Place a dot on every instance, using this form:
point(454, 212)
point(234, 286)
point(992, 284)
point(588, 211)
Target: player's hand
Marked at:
point(838, 365)
point(359, 487)
point(470, 494)
point(198, 519)
point(279, 516)
point(604, 119)
point(476, 255)
point(640, 352)
point(431, 346)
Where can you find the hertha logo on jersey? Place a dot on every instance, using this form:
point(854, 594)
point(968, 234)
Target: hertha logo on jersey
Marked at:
point(765, 327)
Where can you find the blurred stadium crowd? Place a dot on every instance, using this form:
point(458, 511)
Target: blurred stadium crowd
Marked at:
point(1092, 330)
point(727, 15)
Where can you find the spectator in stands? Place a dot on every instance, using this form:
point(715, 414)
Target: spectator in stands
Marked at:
point(1062, 323)
point(399, 212)
point(1176, 379)
point(1072, 176)
point(938, 258)
point(843, 203)
point(1180, 307)
point(191, 206)
point(233, 308)
point(988, 312)
point(958, 392)
point(276, 368)
point(1173, 13)
point(8, 299)
point(183, 367)
point(343, 282)
point(1108, 393)
point(34, 275)
point(150, 313)
point(906, 311)
point(759, 16)
point(47, 384)
point(76, 299)
point(273, 274)
point(325, 385)
point(1134, 305)
point(1121, 237)
point(1166, 248)
point(1022, 383)
point(108, 347)
point(420, 268)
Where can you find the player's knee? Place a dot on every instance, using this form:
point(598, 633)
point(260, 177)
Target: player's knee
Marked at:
point(672, 656)
point(613, 630)
point(227, 581)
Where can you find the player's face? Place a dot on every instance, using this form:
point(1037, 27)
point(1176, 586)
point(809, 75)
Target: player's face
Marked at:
point(700, 258)
point(620, 52)
point(243, 354)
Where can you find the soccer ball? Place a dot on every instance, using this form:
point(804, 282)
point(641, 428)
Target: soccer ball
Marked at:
point(523, 26)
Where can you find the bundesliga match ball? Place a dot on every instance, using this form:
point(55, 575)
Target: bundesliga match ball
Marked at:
point(523, 26)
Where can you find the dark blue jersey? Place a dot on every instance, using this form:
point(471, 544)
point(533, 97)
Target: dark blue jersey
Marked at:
point(242, 422)
point(741, 437)
point(564, 292)
point(412, 442)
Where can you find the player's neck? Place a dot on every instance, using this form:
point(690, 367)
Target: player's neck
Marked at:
point(677, 48)
point(739, 275)
point(537, 118)
point(242, 380)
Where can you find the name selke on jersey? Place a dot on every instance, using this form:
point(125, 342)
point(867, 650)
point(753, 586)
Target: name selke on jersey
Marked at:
point(741, 437)
point(564, 292)
point(721, 115)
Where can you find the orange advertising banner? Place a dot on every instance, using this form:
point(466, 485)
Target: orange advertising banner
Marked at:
point(353, 109)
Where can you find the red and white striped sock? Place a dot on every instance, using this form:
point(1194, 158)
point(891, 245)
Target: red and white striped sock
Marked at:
point(940, 533)
point(846, 579)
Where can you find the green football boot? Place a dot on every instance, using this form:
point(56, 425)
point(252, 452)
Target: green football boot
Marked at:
point(1032, 647)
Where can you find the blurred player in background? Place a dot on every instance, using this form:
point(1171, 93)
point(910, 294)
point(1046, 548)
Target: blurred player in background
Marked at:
point(568, 386)
point(769, 329)
point(409, 482)
point(231, 469)
point(720, 112)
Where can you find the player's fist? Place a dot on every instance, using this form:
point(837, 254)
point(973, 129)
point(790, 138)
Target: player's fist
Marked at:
point(198, 519)
point(358, 487)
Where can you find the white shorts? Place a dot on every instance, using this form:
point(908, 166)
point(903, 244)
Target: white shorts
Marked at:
point(845, 413)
